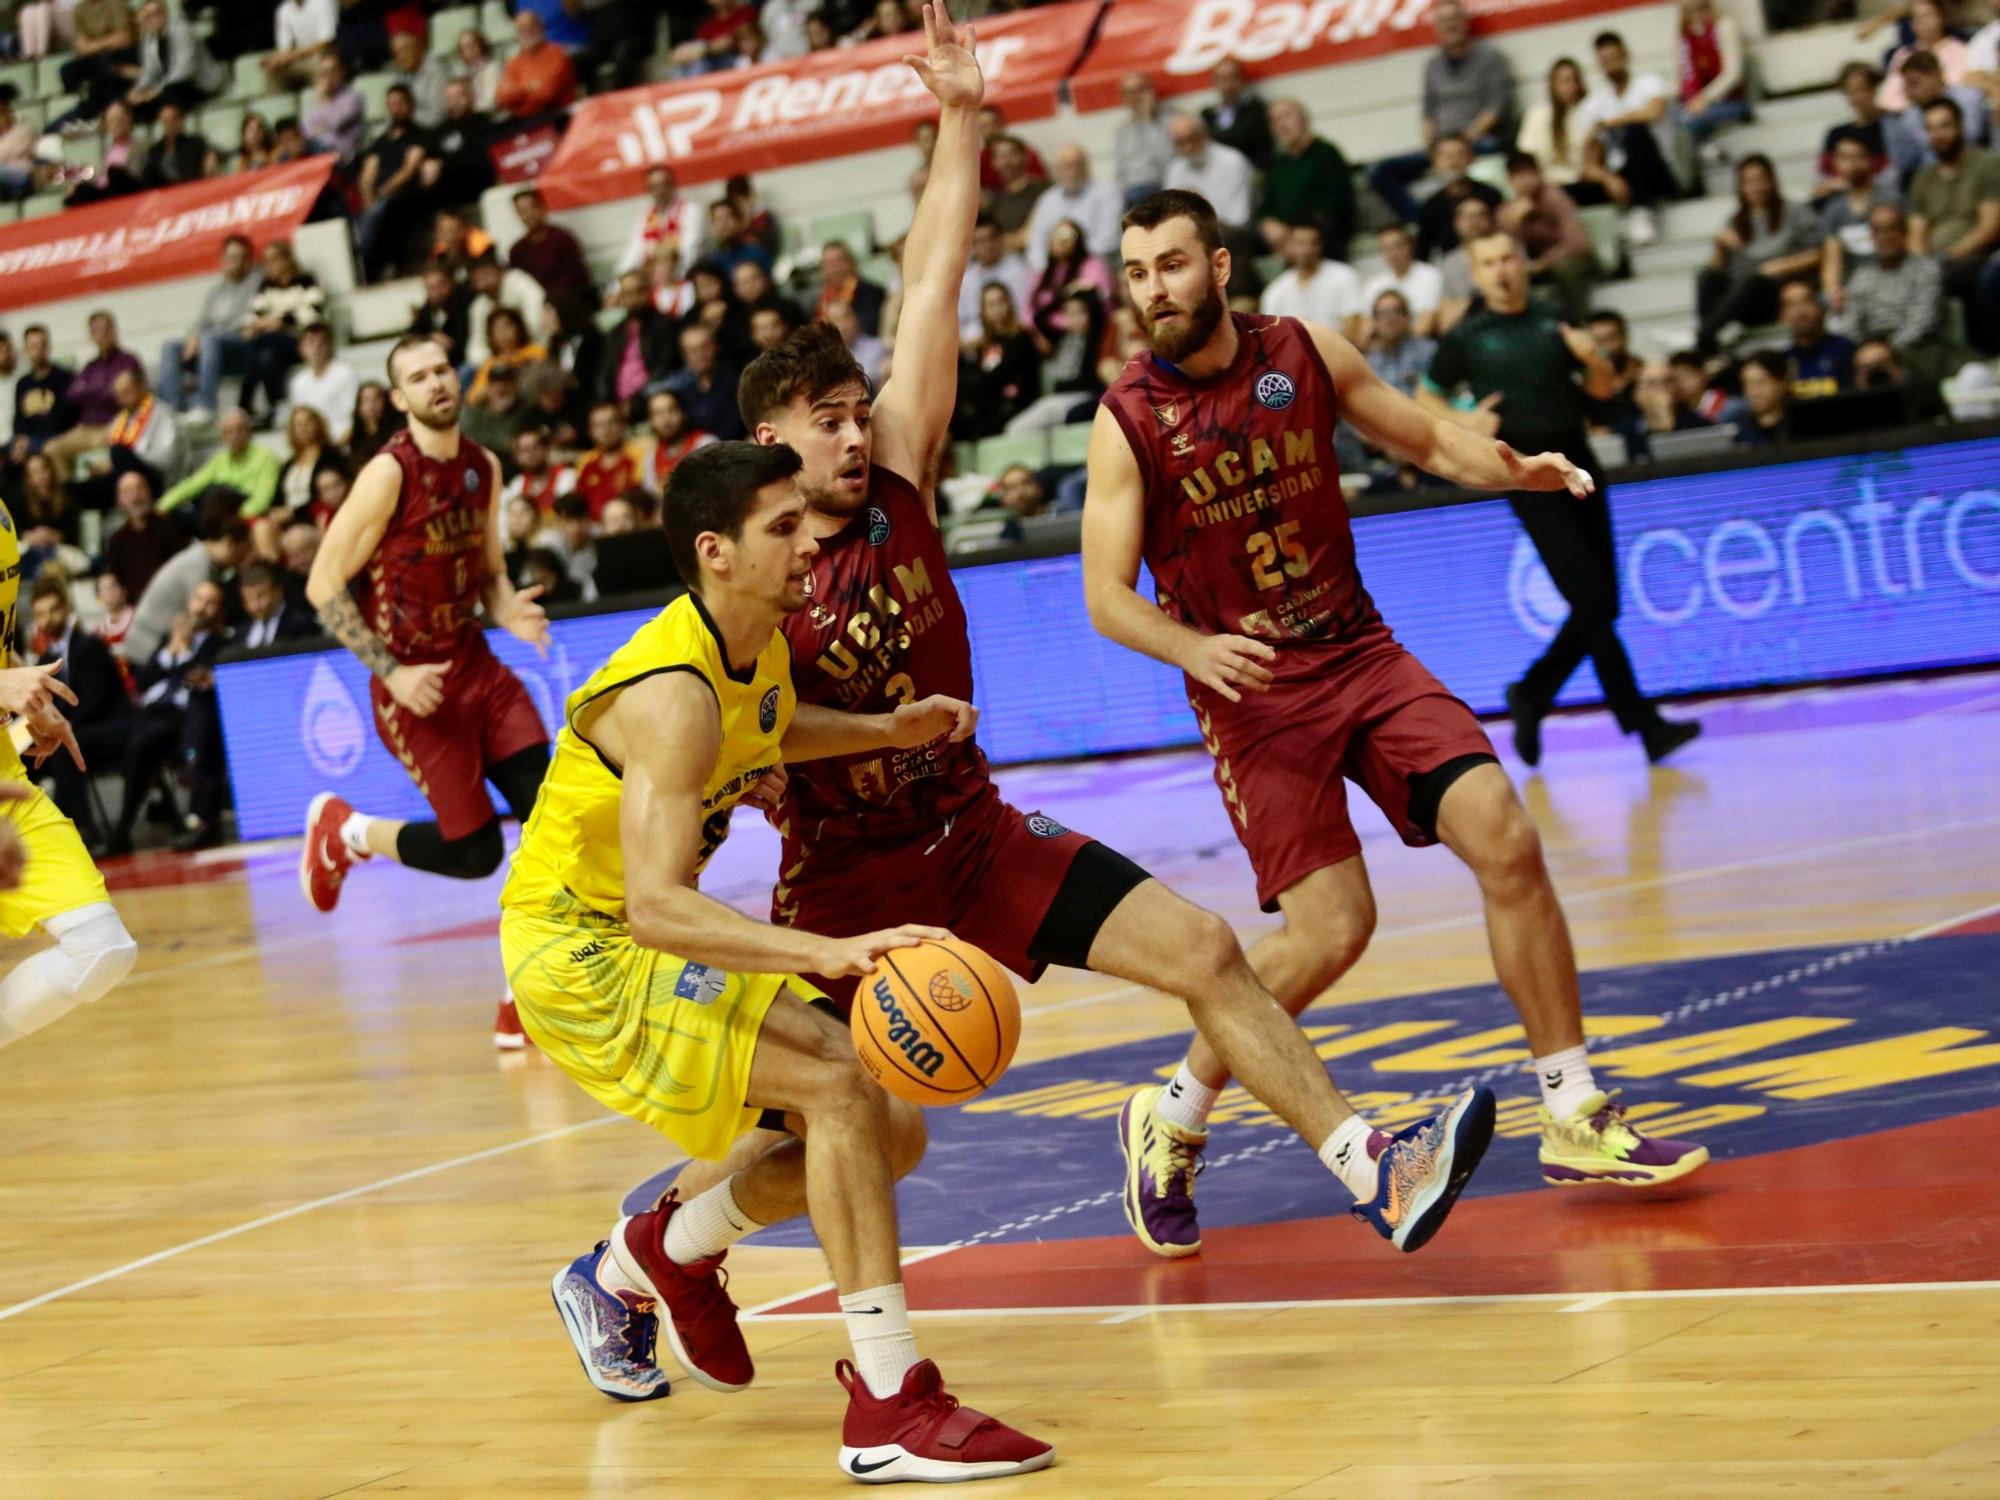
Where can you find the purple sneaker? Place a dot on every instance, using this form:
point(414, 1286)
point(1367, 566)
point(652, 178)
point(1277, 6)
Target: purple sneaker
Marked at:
point(1161, 1163)
point(613, 1332)
point(1598, 1144)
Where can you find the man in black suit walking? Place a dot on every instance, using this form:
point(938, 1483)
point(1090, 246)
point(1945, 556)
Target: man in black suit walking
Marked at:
point(102, 714)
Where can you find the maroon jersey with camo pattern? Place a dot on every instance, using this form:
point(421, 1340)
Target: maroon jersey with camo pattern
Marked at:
point(882, 626)
point(1246, 529)
point(421, 590)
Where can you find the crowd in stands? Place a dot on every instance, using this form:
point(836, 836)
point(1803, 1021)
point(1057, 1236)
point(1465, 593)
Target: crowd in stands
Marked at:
point(162, 527)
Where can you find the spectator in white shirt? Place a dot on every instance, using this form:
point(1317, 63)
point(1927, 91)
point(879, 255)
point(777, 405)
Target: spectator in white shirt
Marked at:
point(784, 25)
point(991, 261)
point(1421, 283)
point(423, 75)
point(496, 286)
point(1096, 208)
point(1220, 173)
point(305, 30)
point(1317, 289)
point(668, 216)
point(538, 478)
point(324, 383)
point(1630, 110)
point(1982, 54)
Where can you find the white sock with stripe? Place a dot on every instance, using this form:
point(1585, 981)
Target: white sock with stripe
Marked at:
point(354, 834)
point(1186, 1101)
point(1565, 1080)
point(708, 1225)
point(878, 1325)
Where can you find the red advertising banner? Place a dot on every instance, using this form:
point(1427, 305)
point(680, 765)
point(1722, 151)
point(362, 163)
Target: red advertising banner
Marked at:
point(154, 236)
point(1179, 42)
point(825, 104)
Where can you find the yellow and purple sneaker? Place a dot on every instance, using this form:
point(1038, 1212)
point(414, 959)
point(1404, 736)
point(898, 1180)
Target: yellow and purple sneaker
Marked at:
point(1598, 1144)
point(1161, 1163)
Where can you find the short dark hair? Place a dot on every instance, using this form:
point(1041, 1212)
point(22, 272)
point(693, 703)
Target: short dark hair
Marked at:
point(643, 501)
point(1606, 315)
point(1806, 286)
point(220, 520)
point(1772, 364)
point(571, 507)
point(403, 345)
point(1522, 161)
point(534, 193)
point(986, 221)
point(240, 239)
point(1950, 105)
point(1156, 209)
point(1608, 39)
point(259, 574)
point(712, 489)
point(1867, 70)
point(813, 362)
point(1450, 135)
point(41, 328)
point(400, 88)
point(1687, 359)
point(1921, 60)
point(51, 585)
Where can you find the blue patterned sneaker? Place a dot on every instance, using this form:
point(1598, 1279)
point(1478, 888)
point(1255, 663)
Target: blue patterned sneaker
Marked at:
point(613, 1331)
point(1161, 1163)
point(1422, 1170)
point(1598, 1145)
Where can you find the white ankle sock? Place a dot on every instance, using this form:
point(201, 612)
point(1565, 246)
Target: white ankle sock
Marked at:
point(618, 1269)
point(708, 1225)
point(878, 1325)
point(1186, 1101)
point(1347, 1156)
point(354, 834)
point(1565, 1080)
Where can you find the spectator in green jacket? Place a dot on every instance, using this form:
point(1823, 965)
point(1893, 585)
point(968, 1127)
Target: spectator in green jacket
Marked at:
point(1307, 180)
point(246, 467)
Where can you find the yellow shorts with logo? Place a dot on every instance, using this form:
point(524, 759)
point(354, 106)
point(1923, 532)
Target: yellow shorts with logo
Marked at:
point(60, 875)
point(653, 1036)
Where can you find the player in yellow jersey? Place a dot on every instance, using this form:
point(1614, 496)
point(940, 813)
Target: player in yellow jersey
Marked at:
point(59, 890)
point(679, 1011)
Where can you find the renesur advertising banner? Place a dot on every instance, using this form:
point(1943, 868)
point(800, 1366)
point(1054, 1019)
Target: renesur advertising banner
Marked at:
point(825, 104)
point(1179, 42)
point(155, 236)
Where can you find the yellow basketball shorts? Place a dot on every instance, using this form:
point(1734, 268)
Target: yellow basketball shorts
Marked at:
point(655, 1037)
point(60, 876)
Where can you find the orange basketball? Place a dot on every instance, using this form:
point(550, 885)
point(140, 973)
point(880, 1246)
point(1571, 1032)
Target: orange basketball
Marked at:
point(937, 1023)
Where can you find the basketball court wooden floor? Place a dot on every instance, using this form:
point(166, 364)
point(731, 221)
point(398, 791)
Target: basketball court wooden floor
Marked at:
point(278, 1224)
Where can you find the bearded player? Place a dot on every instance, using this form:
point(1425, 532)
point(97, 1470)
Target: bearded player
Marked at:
point(1211, 460)
point(923, 832)
point(408, 562)
point(47, 878)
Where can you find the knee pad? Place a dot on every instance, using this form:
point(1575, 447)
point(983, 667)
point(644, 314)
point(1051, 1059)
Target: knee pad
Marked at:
point(477, 855)
point(97, 950)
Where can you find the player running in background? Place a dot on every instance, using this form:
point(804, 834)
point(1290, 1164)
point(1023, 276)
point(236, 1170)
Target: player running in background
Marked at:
point(408, 561)
point(923, 832)
point(656, 750)
point(58, 888)
point(1212, 461)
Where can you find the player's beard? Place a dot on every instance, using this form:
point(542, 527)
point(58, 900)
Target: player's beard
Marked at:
point(428, 416)
point(1188, 333)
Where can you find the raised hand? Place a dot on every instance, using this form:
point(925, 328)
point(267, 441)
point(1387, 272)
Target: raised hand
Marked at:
point(949, 70)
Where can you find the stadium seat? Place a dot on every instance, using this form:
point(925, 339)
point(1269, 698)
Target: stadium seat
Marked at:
point(49, 75)
point(383, 310)
point(1491, 170)
point(996, 453)
point(856, 227)
point(41, 205)
point(447, 26)
point(976, 533)
point(495, 22)
point(1605, 239)
point(881, 269)
point(374, 91)
point(247, 82)
point(222, 127)
point(85, 151)
point(275, 107)
point(22, 76)
point(1070, 445)
point(57, 105)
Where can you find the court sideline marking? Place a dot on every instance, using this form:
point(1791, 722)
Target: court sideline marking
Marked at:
point(434, 1168)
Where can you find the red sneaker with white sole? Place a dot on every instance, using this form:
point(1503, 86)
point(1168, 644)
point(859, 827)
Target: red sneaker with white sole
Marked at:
point(700, 1323)
point(507, 1033)
point(921, 1433)
point(326, 859)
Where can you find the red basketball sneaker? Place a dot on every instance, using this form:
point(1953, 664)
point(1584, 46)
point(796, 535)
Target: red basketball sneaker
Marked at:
point(922, 1433)
point(507, 1033)
point(700, 1324)
point(326, 859)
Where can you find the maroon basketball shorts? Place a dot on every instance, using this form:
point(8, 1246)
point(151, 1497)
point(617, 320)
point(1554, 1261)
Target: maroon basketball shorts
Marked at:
point(1377, 718)
point(1019, 885)
point(485, 717)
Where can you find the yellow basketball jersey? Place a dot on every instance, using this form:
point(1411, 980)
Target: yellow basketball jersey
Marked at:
point(571, 843)
point(10, 599)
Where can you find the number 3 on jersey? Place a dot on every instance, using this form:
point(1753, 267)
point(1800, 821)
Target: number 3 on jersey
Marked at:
point(1266, 545)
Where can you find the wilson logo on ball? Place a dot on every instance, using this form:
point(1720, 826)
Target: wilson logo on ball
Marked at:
point(951, 990)
point(905, 1035)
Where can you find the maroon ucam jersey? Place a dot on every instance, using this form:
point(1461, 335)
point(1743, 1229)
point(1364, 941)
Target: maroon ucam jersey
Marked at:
point(882, 626)
point(1246, 529)
point(420, 591)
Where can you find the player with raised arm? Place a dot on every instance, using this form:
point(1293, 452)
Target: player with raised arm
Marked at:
point(1211, 460)
point(924, 831)
point(672, 1008)
point(410, 559)
point(47, 877)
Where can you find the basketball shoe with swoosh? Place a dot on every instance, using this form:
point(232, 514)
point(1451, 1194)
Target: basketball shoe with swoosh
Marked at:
point(613, 1332)
point(1597, 1144)
point(326, 859)
point(1421, 1170)
point(701, 1328)
point(922, 1433)
point(1162, 1161)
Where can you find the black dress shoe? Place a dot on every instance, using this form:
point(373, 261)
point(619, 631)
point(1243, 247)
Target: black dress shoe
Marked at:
point(1667, 736)
point(1527, 725)
point(203, 836)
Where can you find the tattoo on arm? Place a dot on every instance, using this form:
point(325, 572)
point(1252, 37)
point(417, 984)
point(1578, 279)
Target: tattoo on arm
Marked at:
point(342, 618)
